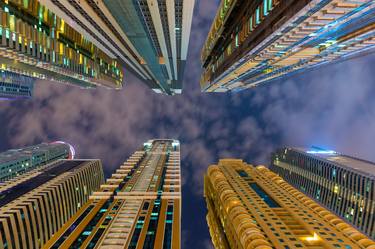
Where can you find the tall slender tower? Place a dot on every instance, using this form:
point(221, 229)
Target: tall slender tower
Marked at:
point(159, 31)
point(138, 207)
point(18, 161)
point(255, 42)
point(35, 205)
point(343, 184)
point(252, 207)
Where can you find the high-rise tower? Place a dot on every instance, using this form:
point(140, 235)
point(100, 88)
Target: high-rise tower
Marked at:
point(138, 207)
point(83, 42)
point(254, 42)
point(18, 161)
point(252, 207)
point(151, 37)
point(36, 204)
point(159, 31)
point(343, 184)
point(37, 42)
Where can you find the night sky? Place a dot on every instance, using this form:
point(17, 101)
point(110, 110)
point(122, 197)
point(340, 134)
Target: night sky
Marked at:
point(332, 107)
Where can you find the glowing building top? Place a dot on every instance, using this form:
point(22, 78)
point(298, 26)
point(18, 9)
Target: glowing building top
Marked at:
point(341, 183)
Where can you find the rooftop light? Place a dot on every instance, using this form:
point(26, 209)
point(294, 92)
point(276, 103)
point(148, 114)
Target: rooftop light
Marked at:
point(321, 152)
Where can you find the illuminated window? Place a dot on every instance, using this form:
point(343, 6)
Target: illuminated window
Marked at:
point(336, 189)
point(265, 7)
point(257, 16)
point(269, 5)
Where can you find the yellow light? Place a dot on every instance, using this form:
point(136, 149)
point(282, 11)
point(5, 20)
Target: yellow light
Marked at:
point(336, 189)
point(62, 26)
point(312, 238)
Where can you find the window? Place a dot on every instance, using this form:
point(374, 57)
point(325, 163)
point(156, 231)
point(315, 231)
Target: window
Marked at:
point(136, 233)
point(168, 228)
point(264, 196)
point(257, 16)
point(242, 173)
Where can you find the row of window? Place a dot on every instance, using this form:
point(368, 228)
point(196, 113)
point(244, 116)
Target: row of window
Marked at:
point(52, 40)
point(13, 168)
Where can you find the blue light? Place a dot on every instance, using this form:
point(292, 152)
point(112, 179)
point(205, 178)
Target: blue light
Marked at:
point(321, 152)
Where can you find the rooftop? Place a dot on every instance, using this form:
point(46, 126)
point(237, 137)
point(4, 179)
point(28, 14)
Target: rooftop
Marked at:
point(27, 152)
point(349, 162)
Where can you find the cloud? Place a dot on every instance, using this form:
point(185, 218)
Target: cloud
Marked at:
point(331, 107)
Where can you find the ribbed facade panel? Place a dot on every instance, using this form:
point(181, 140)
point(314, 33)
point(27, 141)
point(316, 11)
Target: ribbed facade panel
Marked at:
point(31, 219)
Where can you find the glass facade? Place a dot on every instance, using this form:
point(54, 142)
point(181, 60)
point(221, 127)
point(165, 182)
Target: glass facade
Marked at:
point(161, 38)
point(19, 161)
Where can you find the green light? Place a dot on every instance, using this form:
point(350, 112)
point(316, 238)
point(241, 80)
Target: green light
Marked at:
point(269, 4)
point(257, 16)
point(265, 8)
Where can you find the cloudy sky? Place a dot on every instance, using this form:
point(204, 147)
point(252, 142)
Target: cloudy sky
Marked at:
point(332, 107)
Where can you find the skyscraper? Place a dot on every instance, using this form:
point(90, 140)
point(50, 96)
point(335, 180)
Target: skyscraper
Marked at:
point(252, 207)
point(343, 184)
point(159, 31)
point(254, 42)
point(138, 207)
point(36, 205)
point(150, 37)
point(18, 161)
point(37, 42)
point(15, 86)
